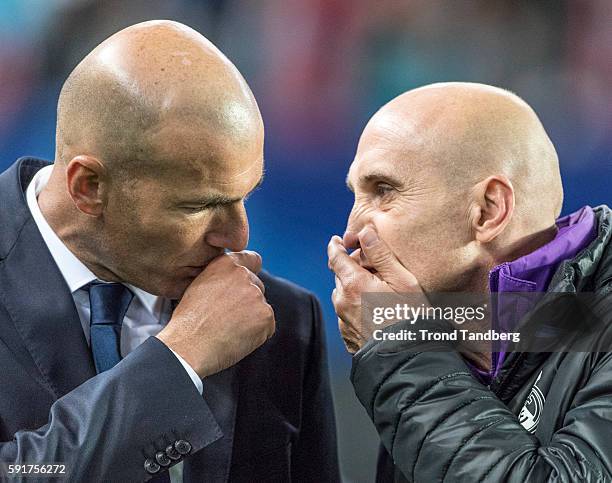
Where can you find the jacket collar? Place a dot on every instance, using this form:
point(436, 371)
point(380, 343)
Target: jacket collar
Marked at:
point(591, 269)
point(13, 184)
point(34, 292)
point(533, 272)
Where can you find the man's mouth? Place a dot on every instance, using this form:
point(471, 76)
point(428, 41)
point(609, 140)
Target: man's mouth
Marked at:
point(197, 269)
point(203, 264)
point(193, 271)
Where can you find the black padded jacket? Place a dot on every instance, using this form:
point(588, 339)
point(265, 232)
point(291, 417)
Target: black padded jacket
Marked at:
point(438, 423)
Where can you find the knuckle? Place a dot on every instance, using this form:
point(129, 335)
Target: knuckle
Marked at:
point(255, 278)
point(253, 291)
point(269, 311)
point(341, 306)
point(251, 258)
point(332, 260)
point(264, 313)
point(228, 258)
point(237, 259)
point(244, 273)
point(352, 284)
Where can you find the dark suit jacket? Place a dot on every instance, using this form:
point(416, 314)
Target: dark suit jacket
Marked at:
point(269, 418)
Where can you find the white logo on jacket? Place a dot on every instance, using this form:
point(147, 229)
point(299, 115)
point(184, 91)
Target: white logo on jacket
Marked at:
point(529, 417)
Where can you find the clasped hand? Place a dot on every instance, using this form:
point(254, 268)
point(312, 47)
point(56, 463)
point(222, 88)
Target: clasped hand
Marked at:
point(353, 280)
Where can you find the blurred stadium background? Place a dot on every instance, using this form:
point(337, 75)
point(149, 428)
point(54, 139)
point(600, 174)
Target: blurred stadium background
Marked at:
point(319, 69)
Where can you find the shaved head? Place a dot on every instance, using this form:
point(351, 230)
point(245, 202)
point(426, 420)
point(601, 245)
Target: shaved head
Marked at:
point(148, 80)
point(159, 143)
point(457, 177)
point(467, 131)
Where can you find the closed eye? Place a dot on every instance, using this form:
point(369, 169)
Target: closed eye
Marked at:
point(214, 202)
point(194, 209)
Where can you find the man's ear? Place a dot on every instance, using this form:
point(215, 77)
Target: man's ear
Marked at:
point(492, 207)
point(85, 177)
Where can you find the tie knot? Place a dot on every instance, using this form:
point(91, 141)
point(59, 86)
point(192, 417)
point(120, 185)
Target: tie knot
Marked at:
point(109, 303)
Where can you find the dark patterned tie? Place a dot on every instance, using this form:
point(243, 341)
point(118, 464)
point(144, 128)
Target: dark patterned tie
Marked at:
point(109, 303)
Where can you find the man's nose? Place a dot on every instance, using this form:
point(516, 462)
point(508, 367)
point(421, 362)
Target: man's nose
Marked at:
point(230, 230)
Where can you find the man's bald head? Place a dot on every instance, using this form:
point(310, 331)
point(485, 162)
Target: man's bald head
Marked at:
point(159, 143)
point(456, 178)
point(127, 103)
point(465, 132)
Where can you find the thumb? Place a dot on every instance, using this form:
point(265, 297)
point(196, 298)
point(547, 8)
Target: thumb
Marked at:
point(387, 265)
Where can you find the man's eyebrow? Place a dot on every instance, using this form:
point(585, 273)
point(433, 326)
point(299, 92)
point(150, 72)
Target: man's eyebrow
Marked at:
point(380, 176)
point(218, 199)
point(210, 200)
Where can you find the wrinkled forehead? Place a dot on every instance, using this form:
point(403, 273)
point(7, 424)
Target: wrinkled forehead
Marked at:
point(233, 177)
point(203, 184)
point(199, 156)
point(387, 146)
point(413, 141)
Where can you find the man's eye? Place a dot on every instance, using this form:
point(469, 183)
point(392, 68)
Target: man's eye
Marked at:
point(193, 209)
point(383, 189)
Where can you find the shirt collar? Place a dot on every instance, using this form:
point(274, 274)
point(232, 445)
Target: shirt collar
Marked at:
point(533, 272)
point(75, 273)
point(152, 303)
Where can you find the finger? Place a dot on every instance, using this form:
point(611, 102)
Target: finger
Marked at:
point(334, 297)
point(345, 333)
point(345, 268)
point(248, 259)
point(255, 280)
point(384, 261)
point(337, 298)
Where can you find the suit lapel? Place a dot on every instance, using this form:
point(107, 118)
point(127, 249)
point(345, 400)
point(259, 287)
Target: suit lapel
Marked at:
point(37, 298)
point(213, 462)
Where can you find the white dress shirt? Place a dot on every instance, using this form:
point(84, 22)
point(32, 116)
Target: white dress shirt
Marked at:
point(147, 313)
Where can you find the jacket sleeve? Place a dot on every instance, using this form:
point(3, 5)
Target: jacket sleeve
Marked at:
point(105, 429)
point(440, 424)
point(315, 456)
